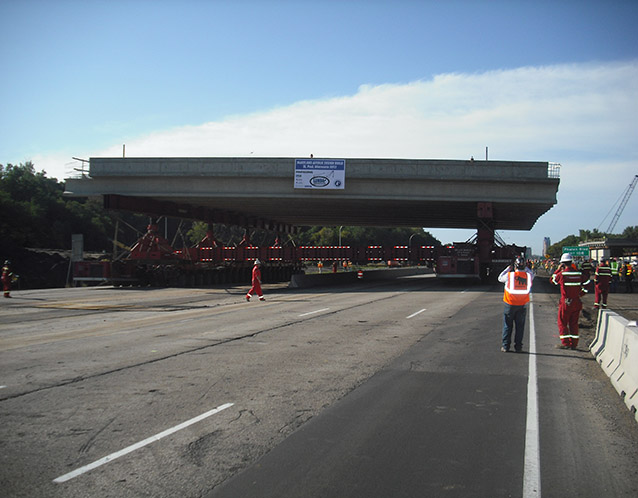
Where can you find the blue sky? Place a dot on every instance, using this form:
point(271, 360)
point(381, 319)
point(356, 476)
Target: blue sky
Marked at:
point(533, 80)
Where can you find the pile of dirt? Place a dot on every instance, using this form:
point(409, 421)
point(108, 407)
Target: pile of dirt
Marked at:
point(40, 268)
point(37, 268)
point(587, 324)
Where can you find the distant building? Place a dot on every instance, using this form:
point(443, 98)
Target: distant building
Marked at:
point(611, 248)
point(546, 243)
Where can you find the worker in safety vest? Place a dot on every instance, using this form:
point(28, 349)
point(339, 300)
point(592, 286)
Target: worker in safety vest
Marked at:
point(256, 282)
point(518, 285)
point(628, 272)
point(572, 285)
point(602, 279)
point(614, 265)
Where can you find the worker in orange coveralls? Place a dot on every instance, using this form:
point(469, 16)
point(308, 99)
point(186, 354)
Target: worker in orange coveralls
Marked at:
point(603, 280)
point(572, 285)
point(256, 288)
point(7, 277)
point(586, 268)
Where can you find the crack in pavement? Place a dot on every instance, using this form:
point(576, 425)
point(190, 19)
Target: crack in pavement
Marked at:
point(251, 335)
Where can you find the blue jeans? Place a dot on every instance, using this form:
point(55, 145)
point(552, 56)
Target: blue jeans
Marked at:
point(514, 318)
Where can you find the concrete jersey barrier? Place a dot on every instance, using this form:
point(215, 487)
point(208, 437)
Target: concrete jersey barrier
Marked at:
point(301, 281)
point(615, 348)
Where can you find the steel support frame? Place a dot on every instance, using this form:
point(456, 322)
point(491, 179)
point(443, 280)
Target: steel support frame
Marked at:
point(152, 207)
point(484, 236)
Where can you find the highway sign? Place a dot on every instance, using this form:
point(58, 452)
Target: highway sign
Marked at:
point(577, 251)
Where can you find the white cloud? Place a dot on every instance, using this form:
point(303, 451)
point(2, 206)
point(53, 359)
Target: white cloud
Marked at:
point(520, 114)
point(581, 115)
point(58, 164)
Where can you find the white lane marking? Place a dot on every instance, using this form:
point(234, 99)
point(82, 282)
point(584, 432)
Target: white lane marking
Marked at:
point(313, 312)
point(3, 387)
point(415, 314)
point(136, 446)
point(532, 467)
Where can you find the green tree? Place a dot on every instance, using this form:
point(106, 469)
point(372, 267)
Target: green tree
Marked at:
point(197, 232)
point(359, 236)
point(585, 235)
point(35, 214)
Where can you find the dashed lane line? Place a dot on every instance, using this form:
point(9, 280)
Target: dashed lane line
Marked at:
point(314, 312)
point(415, 314)
point(137, 446)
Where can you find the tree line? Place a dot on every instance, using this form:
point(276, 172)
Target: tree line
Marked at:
point(35, 214)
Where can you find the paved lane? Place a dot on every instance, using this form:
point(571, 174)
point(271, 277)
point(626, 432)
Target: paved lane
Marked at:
point(398, 389)
point(447, 418)
point(90, 372)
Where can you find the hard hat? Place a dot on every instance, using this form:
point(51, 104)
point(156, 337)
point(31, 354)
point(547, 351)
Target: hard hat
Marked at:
point(257, 262)
point(566, 257)
point(520, 263)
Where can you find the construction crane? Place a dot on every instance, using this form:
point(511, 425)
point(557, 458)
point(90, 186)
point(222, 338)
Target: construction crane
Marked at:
point(623, 203)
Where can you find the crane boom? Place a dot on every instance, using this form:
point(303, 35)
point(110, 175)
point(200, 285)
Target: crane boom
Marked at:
point(623, 203)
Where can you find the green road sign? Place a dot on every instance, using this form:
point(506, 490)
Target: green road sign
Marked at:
point(577, 251)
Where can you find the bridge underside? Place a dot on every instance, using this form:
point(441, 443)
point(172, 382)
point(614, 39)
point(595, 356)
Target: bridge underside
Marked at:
point(260, 192)
point(281, 216)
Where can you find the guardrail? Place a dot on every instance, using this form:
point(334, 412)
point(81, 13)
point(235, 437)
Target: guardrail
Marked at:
point(615, 348)
point(553, 170)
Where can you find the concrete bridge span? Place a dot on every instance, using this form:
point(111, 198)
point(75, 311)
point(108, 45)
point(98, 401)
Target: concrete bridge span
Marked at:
point(261, 192)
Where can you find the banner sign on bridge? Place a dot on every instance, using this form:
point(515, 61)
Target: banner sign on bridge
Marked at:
point(320, 173)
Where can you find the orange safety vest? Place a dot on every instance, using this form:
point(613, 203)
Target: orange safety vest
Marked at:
point(517, 288)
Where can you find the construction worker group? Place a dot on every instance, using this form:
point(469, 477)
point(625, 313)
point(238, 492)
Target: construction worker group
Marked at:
point(574, 282)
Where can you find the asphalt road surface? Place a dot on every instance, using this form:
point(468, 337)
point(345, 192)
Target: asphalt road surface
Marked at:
point(394, 390)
